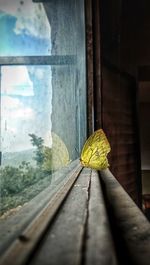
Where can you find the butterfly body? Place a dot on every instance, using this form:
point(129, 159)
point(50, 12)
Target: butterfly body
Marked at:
point(95, 150)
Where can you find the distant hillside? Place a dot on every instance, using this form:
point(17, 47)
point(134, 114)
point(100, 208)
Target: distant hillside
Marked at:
point(15, 159)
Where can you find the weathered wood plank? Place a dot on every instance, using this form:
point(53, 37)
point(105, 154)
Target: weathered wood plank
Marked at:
point(24, 245)
point(63, 242)
point(99, 245)
point(12, 227)
point(133, 226)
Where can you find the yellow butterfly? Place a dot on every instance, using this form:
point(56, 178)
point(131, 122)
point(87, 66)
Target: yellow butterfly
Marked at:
point(95, 150)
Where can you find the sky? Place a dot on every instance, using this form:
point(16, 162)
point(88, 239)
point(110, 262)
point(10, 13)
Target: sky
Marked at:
point(25, 105)
point(26, 93)
point(27, 28)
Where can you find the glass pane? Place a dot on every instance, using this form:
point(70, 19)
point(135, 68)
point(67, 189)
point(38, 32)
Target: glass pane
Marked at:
point(25, 26)
point(43, 110)
point(26, 107)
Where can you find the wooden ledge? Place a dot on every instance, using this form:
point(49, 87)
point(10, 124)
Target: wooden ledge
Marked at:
point(130, 222)
point(72, 228)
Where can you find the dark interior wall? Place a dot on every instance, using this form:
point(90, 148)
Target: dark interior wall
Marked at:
point(119, 123)
point(118, 101)
point(110, 30)
point(125, 30)
point(145, 135)
point(125, 33)
point(135, 34)
point(135, 53)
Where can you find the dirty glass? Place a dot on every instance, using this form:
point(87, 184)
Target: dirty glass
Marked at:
point(24, 28)
point(43, 107)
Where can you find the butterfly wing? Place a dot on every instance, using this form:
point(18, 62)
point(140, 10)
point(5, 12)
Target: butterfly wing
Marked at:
point(95, 150)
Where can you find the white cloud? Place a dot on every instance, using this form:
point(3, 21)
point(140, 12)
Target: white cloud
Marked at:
point(10, 103)
point(25, 113)
point(31, 17)
point(12, 130)
point(39, 73)
point(16, 119)
point(13, 109)
point(16, 81)
point(14, 141)
point(9, 7)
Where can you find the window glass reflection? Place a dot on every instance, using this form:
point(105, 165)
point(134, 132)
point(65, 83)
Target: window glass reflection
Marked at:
point(27, 27)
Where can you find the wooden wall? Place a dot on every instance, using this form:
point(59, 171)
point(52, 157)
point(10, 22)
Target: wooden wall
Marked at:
point(135, 34)
point(125, 42)
point(120, 124)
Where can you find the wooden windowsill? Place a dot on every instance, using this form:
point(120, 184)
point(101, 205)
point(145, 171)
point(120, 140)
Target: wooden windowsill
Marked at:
point(70, 226)
point(82, 223)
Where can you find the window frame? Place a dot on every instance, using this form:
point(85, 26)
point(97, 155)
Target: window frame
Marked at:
point(91, 77)
point(48, 60)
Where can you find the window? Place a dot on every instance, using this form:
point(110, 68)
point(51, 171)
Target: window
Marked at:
point(43, 95)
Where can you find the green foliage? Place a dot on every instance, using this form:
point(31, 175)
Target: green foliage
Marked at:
point(39, 153)
point(18, 185)
point(10, 180)
point(43, 154)
point(47, 163)
point(13, 180)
